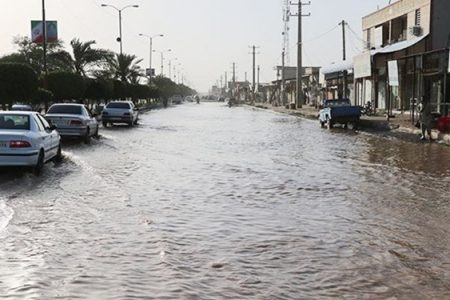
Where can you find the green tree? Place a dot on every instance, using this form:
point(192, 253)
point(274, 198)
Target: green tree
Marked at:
point(18, 82)
point(33, 54)
point(125, 68)
point(85, 57)
point(42, 97)
point(66, 85)
point(99, 89)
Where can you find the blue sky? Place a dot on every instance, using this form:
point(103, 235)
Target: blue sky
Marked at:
point(206, 36)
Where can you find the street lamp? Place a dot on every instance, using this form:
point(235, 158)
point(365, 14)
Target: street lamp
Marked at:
point(120, 20)
point(151, 37)
point(162, 59)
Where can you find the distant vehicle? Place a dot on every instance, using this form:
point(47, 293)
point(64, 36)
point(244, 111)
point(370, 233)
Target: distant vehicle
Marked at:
point(339, 112)
point(120, 112)
point(221, 99)
point(188, 99)
point(177, 99)
point(73, 120)
point(21, 107)
point(27, 139)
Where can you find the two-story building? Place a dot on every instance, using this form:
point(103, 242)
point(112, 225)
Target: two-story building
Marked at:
point(406, 60)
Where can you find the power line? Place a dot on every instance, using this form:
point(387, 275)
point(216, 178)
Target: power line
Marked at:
point(321, 35)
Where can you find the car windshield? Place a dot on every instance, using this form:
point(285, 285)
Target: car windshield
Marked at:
point(121, 105)
point(337, 103)
point(14, 122)
point(65, 109)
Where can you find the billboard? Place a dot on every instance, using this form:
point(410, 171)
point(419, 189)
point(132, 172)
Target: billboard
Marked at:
point(37, 32)
point(362, 65)
point(393, 73)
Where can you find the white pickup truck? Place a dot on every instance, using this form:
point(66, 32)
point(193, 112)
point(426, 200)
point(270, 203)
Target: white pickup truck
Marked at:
point(120, 112)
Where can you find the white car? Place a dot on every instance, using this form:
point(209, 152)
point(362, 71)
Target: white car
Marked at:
point(27, 139)
point(73, 120)
point(120, 112)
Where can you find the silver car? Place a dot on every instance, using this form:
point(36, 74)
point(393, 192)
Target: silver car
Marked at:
point(73, 120)
point(120, 112)
point(26, 139)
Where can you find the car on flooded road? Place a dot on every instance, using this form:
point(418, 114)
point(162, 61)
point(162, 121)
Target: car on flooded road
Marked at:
point(27, 140)
point(73, 120)
point(120, 112)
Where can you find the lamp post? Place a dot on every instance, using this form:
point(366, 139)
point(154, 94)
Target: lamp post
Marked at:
point(150, 38)
point(120, 20)
point(44, 43)
point(162, 59)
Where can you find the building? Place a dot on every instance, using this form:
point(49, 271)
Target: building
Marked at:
point(273, 93)
point(406, 57)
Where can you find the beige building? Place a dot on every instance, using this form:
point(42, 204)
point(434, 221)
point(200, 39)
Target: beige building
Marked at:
point(406, 56)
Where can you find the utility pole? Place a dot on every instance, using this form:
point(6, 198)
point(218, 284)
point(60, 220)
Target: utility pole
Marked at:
point(344, 58)
point(283, 81)
point(253, 77)
point(226, 83)
point(300, 15)
point(234, 79)
point(44, 43)
point(257, 82)
point(170, 69)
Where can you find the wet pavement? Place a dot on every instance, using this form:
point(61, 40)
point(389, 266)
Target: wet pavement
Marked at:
point(210, 202)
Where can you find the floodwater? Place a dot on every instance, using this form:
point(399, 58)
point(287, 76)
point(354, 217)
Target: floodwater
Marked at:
point(210, 202)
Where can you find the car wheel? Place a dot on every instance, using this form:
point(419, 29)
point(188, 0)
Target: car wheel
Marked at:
point(135, 122)
point(131, 124)
point(87, 137)
point(96, 133)
point(58, 156)
point(345, 125)
point(37, 169)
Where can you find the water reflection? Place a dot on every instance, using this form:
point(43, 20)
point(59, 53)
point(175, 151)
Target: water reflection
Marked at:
point(203, 201)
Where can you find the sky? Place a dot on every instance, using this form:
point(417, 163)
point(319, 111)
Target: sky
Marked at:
point(205, 36)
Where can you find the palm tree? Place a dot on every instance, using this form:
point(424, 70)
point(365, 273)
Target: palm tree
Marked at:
point(86, 58)
point(126, 68)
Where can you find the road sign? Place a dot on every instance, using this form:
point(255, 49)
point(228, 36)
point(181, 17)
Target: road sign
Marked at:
point(37, 32)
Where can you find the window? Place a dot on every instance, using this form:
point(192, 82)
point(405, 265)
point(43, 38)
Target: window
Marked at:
point(120, 105)
point(418, 17)
point(44, 122)
point(39, 123)
point(368, 39)
point(65, 109)
point(14, 122)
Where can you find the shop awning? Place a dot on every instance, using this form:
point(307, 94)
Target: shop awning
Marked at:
point(341, 66)
point(398, 46)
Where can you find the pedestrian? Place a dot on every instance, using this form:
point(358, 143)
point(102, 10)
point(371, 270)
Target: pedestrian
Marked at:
point(425, 119)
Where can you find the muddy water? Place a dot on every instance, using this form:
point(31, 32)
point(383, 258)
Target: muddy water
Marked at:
point(208, 202)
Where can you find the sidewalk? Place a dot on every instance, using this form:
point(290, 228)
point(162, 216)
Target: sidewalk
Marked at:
point(401, 124)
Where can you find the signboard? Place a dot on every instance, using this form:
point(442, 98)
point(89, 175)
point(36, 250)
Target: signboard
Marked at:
point(150, 72)
point(393, 73)
point(362, 65)
point(37, 32)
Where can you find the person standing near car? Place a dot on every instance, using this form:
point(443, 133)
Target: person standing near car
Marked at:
point(425, 119)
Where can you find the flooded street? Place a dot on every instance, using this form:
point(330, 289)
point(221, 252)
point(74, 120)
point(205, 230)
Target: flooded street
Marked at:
point(210, 202)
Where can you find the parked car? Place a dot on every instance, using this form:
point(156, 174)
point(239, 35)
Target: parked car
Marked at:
point(73, 120)
point(120, 112)
point(21, 107)
point(189, 99)
point(339, 112)
point(27, 139)
point(177, 99)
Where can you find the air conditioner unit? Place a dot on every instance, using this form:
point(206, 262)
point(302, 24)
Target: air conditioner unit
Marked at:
point(416, 30)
